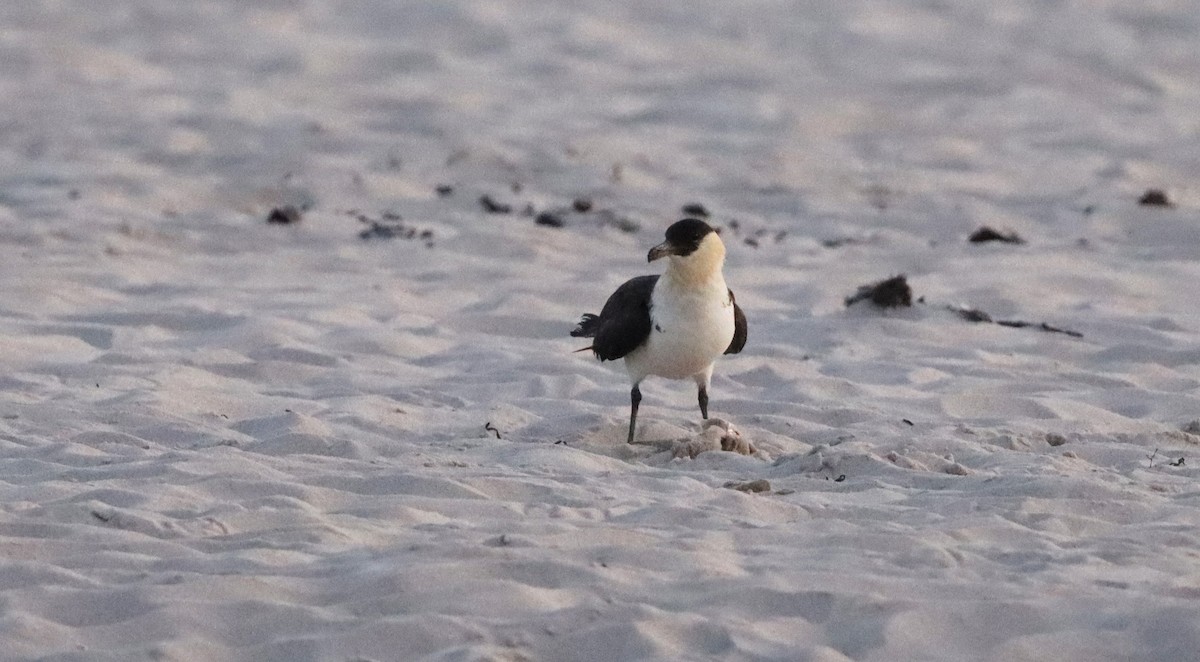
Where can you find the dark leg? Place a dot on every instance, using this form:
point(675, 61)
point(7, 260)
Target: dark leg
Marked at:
point(635, 398)
point(703, 398)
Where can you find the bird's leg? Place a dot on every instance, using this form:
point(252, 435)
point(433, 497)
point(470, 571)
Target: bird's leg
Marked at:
point(635, 398)
point(702, 379)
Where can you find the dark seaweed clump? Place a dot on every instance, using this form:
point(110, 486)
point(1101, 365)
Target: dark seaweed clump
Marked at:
point(986, 234)
point(1155, 198)
point(891, 293)
point(285, 215)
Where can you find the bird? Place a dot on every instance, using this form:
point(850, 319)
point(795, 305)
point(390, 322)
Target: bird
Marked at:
point(675, 325)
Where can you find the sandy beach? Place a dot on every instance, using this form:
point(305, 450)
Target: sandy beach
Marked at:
point(361, 433)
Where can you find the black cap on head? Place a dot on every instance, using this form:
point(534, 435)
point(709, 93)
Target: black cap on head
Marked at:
point(685, 236)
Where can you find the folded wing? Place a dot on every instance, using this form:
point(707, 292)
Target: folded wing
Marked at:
point(624, 322)
point(739, 328)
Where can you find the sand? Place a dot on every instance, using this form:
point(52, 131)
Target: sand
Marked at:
point(224, 439)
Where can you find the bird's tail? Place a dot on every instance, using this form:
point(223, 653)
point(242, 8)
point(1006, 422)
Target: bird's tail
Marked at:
point(588, 326)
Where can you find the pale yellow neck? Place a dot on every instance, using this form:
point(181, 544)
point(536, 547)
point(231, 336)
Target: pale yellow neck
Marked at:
point(701, 267)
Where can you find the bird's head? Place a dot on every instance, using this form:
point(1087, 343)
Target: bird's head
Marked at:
point(684, 238)
point(693, 246)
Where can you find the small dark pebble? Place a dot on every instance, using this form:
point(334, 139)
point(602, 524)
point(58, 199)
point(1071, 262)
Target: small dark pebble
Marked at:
point(549, 220)
point(582, 205)
point(906, 421)
point(695, 209)
point(840, 478)
point(285, 215)
point(752, 242)
point(985, 234)
point(444, 190)
point(890, 293)
point(735, 225)
point(427, 234)
point(1155, 198)
point(492, 207)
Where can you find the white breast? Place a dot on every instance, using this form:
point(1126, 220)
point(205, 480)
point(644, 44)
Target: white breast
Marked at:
point(690, 328)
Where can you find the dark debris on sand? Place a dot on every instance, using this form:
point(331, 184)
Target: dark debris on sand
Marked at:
point(582, 205)
point(695, 209)
point(612, 219)
point(756, 238)
point(550, 220)
point(986, 234)
point(444, 190)
point(285, 215)
point(752, 487)
point(978, 316)
point(891, 293)
point(491, 206)
point(1041, 326)
point(1155, 198)
point(838, 242)
point(391, 226)
point(972, 314)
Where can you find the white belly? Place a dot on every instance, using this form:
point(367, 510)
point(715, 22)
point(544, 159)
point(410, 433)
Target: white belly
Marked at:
point(688, 332)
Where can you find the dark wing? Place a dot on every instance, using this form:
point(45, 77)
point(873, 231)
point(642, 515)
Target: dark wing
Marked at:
point(624, 323)
point(739, 328)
